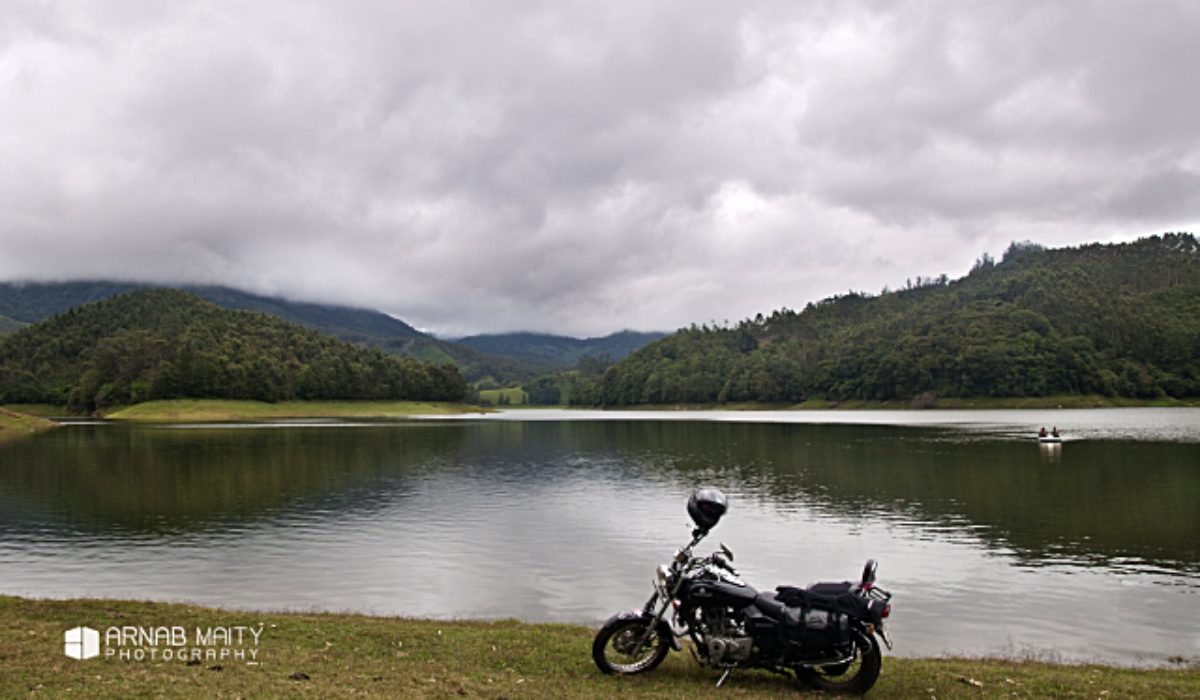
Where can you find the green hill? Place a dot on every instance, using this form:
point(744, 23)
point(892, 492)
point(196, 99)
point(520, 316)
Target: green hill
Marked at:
point(1117, 320)
point(160, 344)
point(556, 352)
point(30, 302)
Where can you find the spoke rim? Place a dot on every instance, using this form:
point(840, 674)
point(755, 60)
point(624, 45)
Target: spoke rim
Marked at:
point(629, 635)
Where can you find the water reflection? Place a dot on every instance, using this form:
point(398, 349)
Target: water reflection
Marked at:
point(115, 479)
point(565, 520)
point(1099, 502)
point(1051, 452)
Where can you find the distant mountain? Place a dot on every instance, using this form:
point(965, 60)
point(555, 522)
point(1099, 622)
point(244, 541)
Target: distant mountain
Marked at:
point(163, 343)
point(1118, 320)
point(555, 352)
point(30, 302)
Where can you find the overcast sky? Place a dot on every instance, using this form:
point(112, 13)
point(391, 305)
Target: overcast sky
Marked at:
point(584, 167)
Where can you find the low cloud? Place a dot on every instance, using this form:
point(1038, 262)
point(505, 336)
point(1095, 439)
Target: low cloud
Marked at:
point(580, 167)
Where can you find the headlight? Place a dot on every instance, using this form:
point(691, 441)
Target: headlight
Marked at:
point(662, 580)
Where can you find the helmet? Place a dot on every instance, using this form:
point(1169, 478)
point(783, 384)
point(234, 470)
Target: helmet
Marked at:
point(706, 506)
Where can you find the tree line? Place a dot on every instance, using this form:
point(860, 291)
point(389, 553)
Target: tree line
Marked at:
point(1117, 320)
point(163, 344)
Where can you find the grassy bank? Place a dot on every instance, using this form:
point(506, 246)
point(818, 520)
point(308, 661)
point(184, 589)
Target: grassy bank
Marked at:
point(203, 410)
point(337, 655)
point(44, 410)
point(14, 425)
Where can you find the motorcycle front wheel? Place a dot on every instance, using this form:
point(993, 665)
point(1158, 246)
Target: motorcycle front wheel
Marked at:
point(854, 677)
point(615, 648)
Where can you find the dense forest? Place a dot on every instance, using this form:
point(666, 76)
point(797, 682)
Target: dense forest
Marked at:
point(158, 344)
point(1117, 320)
point(30, 302)
point(8, 325)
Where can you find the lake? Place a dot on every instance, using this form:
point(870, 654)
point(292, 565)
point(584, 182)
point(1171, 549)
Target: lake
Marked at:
point(991, 543)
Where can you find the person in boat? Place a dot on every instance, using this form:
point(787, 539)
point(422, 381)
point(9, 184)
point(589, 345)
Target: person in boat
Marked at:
point(1042, 432)
point(1054, 432)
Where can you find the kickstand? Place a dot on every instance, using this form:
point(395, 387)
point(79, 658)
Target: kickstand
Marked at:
point(724, 676)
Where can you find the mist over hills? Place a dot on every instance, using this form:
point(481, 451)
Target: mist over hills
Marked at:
point(30, 302)
point(152, 344)
point(1117, 320)
point(23, 303)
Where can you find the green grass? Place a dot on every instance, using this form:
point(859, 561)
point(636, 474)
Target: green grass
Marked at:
point(358, 656)
point(202, 410)
point(15, 425)
point(515, 396)
point(45, 410)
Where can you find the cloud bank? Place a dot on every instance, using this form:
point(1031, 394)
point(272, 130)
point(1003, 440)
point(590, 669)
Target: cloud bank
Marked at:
point(583, 167)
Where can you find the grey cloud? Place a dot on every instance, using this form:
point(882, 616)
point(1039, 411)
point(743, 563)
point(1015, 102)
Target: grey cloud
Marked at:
point(582, 167)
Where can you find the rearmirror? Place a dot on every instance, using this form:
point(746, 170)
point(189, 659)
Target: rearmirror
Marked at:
point(727, 552)
point(869, 572)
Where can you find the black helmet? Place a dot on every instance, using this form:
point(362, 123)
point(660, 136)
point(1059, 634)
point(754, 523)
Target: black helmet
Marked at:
point(706, 506)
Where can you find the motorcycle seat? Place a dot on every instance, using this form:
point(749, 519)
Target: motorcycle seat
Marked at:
point(825, 596)
point(769, 605)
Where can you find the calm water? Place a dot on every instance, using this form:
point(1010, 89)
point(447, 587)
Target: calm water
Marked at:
point(990, 543)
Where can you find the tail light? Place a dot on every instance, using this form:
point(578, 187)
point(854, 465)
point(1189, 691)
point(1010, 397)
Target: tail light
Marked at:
point(887, 610)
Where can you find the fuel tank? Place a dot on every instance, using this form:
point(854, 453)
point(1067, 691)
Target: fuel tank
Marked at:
point(719, 592)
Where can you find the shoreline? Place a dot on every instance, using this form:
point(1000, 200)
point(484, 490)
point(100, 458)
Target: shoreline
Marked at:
point(18, 420)
point(15, 425)
point(216, 410)
point(229, 410)
point(1086, 401)
point(338, 654)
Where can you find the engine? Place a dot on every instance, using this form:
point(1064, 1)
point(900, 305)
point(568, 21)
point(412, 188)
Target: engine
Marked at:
point(725, 637)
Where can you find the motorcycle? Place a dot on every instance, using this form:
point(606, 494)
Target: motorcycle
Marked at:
point(827, 634)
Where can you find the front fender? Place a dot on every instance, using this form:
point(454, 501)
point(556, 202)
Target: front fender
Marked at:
point(663, 629)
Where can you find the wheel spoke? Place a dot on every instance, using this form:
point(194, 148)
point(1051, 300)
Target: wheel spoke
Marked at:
point(620, 652)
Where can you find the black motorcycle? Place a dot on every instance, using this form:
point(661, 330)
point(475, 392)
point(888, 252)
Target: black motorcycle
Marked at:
point(825, 634)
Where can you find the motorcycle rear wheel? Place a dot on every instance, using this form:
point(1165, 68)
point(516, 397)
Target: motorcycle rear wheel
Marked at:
point(852, 678)
point(615, 642)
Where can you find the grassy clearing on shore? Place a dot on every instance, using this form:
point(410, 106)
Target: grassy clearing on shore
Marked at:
point(513, 396)
point(14, 425)
point(204, 410)
point(45, 410)
point(338, 655)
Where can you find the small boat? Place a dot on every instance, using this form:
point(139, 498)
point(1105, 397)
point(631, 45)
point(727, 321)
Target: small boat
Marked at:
point(1049, 438)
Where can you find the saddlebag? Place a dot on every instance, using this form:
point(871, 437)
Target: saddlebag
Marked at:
point(816, 620)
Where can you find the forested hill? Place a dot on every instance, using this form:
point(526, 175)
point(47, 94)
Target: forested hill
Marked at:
point(1118, 320)
point(553, 352)
point(30, 302)
point(156, 344)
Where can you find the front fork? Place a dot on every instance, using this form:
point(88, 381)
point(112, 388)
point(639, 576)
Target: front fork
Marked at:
point(652, 628)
